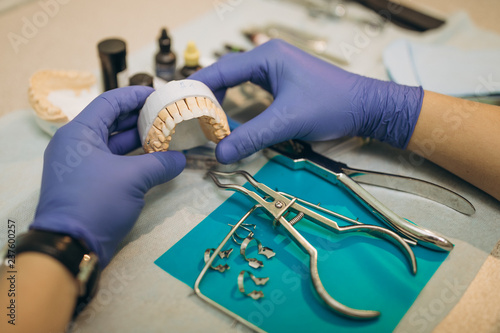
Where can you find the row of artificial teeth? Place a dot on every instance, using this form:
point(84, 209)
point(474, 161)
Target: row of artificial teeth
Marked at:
point(45, 81)
point(212, 119)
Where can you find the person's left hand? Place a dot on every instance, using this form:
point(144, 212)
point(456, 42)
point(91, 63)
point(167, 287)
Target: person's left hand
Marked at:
point(89, 190)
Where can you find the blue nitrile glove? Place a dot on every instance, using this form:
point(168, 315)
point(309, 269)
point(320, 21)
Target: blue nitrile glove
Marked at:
point(313, 100)
point(88, 189)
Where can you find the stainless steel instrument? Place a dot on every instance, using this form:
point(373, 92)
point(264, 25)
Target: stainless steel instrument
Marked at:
point(297, 154)
point(281, 207)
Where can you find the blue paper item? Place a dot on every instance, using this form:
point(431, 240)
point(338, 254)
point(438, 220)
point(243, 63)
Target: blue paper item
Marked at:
point(357, 270)
point(444, 69)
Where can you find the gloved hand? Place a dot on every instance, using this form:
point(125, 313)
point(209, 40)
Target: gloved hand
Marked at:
point(313, 100)
point(88, 190)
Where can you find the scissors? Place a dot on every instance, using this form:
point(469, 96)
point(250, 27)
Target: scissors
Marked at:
point(279, 206)
point(297, 154)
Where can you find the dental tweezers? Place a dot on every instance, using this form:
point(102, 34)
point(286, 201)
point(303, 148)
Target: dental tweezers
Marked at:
point(278, 206)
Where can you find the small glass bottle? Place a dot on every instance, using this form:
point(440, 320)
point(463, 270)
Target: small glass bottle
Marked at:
point(165, 59)
point(191, 60)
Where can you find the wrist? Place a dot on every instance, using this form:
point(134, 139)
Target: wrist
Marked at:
point(47, 295)
point(68, 226)
point(389, 111)
point(71, 253)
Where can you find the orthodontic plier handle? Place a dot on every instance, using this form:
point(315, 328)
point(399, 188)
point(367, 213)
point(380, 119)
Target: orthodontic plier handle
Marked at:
point(277, 205)
point(297, 154)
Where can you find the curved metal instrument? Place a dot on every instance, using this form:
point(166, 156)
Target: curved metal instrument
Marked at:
point(278, 205)
point(297, 154)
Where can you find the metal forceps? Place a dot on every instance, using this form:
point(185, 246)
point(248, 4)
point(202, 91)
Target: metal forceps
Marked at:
point(296, 154)
point(277, 205)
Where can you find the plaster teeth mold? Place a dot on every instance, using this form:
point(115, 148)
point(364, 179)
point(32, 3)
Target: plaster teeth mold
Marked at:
point(57, 96)
point(172, 108)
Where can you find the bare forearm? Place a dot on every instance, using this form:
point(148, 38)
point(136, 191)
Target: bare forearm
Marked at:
point(461, 136)
point(45, 294)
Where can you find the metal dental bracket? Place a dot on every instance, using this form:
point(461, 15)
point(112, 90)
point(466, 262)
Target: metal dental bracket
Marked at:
point(225, 254)
point(222, 255)
point(255, 294)
point(253, 262)
point(269, 253)
point(250, 232)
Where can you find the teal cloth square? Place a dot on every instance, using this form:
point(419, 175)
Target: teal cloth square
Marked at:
point(359, 271)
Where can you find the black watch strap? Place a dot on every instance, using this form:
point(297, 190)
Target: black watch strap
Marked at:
point(72, 253)
point(60, 246)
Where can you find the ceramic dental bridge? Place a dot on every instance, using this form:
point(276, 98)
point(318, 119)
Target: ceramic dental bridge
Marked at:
point(179, 102)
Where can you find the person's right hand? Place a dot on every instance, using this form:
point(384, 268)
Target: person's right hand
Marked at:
point(90, 190)
point(313, 100)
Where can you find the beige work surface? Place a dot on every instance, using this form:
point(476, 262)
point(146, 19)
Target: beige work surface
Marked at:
point(68, 41)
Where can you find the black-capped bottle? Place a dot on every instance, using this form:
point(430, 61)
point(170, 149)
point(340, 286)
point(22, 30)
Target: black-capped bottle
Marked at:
point(112, 53)
point(141, 79)
point(165, 59)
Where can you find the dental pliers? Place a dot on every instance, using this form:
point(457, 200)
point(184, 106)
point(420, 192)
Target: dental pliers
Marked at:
point(279, 206)
point(296, 154)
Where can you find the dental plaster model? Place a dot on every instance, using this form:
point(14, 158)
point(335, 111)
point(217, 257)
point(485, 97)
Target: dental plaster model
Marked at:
point(170, 109)
point(57, 96)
